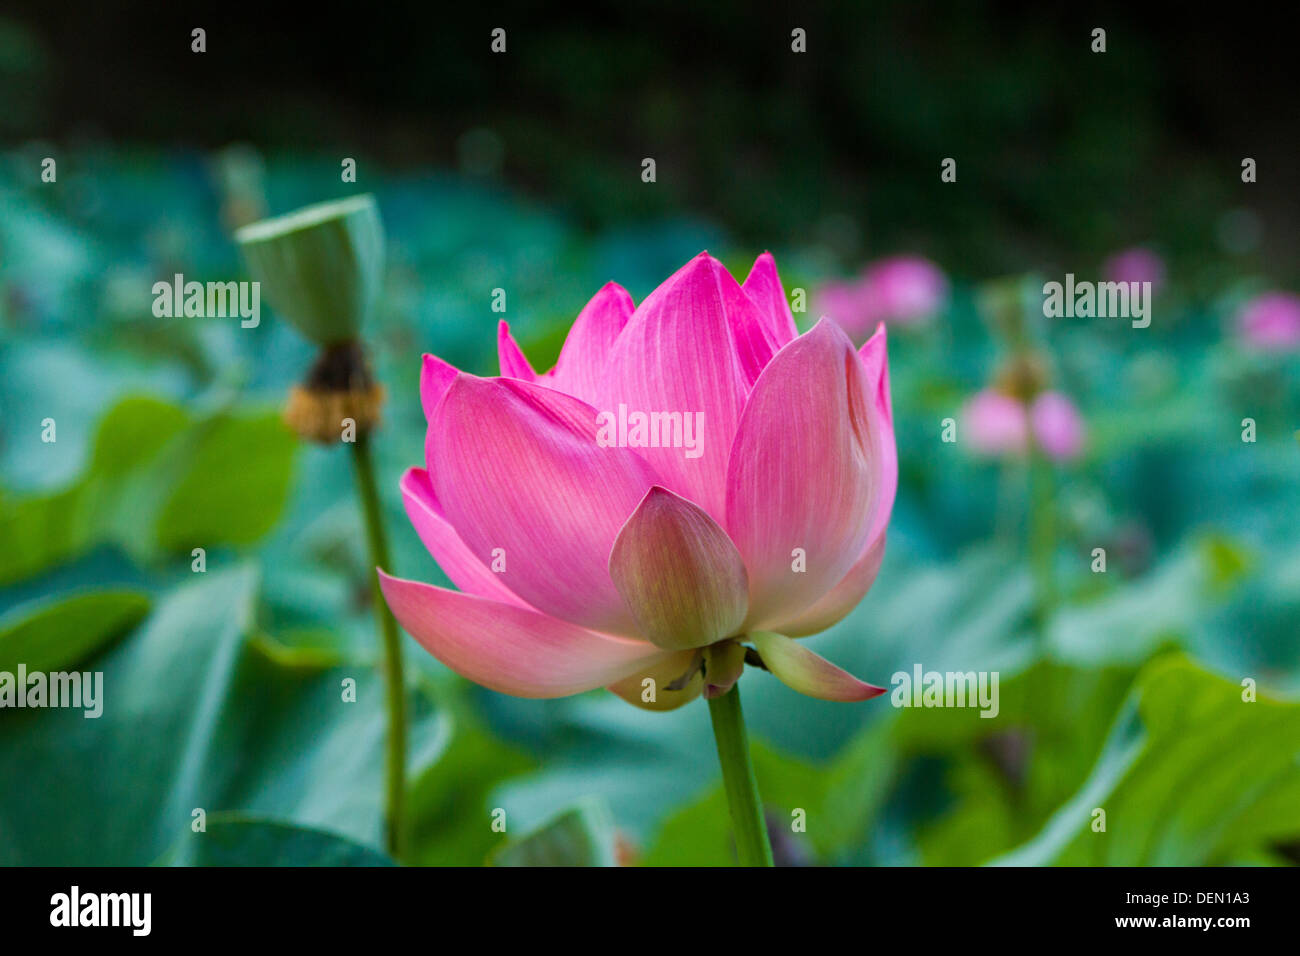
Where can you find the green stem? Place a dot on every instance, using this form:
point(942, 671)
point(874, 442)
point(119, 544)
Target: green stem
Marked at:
point(1042, 538)
point(747, 819)
point(395, 762)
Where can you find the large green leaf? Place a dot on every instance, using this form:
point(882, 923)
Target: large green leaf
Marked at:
point(231, 839)
point(1001, 778)
point(197, 715)
point(1128, 622)
point(57, 634)
point(1192, 774)
point(582, 835)
point(160, 481)
point(449, 806)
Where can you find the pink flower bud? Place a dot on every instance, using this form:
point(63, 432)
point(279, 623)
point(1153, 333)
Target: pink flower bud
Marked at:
point(904, 290)
point(1057, 426)
point(995, 424)
point(901, 290)
point(1135, 265)
point(1271, 322)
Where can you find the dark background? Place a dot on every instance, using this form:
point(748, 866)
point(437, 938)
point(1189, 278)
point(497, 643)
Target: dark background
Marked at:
point(1056, 146)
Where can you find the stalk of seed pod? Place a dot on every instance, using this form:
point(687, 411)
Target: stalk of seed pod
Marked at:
point(321, 267)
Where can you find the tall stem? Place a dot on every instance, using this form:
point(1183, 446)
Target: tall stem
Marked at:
point(747, 820)
point(395, 762)
point(1042, 539)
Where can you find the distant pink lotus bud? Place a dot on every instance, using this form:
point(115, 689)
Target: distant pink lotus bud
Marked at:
point(1138, 264)
point(904, 290)
point(844, 302)
point(1271, 322)
point(995, 424)
point(1057, 426)
point(692, 476)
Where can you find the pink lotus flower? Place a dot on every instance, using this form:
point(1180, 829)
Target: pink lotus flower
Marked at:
point(995, 424)
point(1271, 322)
point(903, 290)
point(999, 424)
point(1057, 426)
point(1137, 264)
point(584, 561)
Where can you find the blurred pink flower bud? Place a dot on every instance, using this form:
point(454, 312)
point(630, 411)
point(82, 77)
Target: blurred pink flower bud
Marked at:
point(900, 290)
point(904, 289)
point(1271, 322)
point(995, 424)
point(843, 302)
point(1138, 264)
point(1057, 425)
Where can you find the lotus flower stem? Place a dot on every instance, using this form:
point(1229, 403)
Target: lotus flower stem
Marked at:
point(752, 846)
point(395, 762)
point(1042, 538)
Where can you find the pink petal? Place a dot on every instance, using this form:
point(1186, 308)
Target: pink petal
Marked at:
point(661, 673)
point(511, 649)
point(835, 605)
point(517, 467)
point(435, 378)
point(805, 474)
point(844, 597)
point(800, 669)
point(679, 573)
point(679, 353)
point(875, 362)
point(511, 356)
point(764, 287)
point(588, 346)
point(466, 570)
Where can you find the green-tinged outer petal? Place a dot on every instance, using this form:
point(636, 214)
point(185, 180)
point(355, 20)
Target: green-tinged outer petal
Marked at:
point(663, 672)
point(724, 662)
point(321, 266)
point(808, 673)
point(678, 573)
point(835, 605)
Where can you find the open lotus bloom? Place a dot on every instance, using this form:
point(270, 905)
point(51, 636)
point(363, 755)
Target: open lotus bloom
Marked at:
point(692, 477)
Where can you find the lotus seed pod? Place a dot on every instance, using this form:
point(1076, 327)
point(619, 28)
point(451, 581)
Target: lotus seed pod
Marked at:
point(320, 266)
